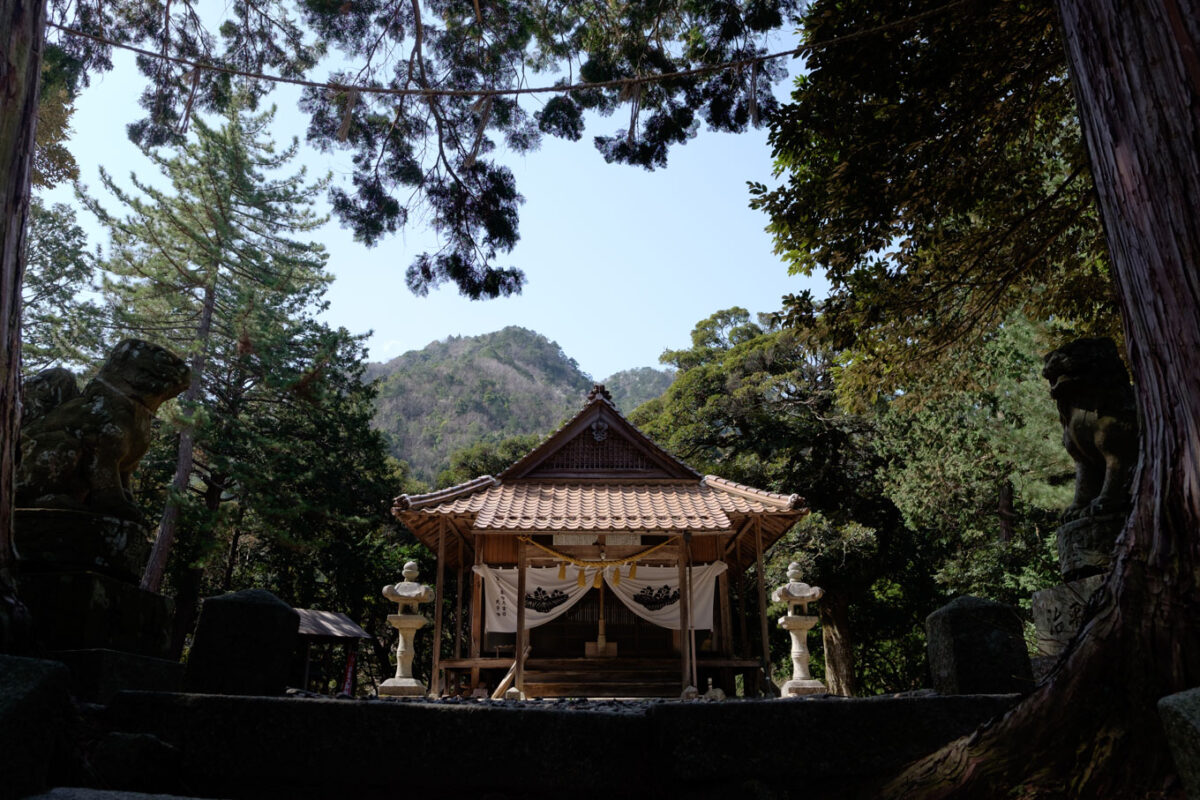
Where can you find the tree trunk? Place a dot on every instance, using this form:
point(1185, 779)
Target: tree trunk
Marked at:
point(834, 611)
point(187, 593)
point(231, 556)
point(22, 28)
point(1005, 511)
point(1092, 730)
point(157, 567)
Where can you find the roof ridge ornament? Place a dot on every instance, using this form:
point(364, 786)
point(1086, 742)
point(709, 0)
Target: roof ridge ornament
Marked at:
point(598, 390)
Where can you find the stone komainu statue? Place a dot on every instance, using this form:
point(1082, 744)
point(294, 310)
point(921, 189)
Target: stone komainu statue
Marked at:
point(1096, 408)
point(78, 450)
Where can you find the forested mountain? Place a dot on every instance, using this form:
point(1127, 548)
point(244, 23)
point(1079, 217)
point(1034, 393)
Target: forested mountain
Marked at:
point(462, 390)
point(632, 387)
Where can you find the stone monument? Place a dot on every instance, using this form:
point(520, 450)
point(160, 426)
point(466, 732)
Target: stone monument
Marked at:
point(244, 644)
point(977, 646)
point(407, 594)
point(798, 594)
point(80, 541)
point(1095, 400)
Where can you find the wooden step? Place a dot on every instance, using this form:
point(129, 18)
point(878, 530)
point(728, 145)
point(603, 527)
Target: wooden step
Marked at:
point(584, 688)
point(602, 678)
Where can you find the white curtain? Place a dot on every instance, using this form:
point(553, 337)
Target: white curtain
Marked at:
point(653, 595)
point(546, 597)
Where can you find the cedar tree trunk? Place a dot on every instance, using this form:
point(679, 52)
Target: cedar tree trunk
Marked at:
point(834, 611)
point(1091, 729)
point(22, 27)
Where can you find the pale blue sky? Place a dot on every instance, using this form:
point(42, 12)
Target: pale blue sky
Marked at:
point(620, 263)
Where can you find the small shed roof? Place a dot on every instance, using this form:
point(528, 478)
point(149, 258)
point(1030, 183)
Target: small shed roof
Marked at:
point(328, 625)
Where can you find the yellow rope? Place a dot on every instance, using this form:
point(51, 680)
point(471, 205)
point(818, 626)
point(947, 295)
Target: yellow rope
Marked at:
point(582, 562)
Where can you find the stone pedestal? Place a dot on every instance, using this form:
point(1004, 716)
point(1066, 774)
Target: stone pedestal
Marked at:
point(99, 673)
point(1085, 546)
point(408, 594)
point(56, 540)
point(77, 574)
point(802, 681)
point(1058, 612)
point(404, 684)
point(85, 610)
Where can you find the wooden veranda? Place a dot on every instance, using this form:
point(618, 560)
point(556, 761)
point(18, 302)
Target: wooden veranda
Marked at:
point(588, 508)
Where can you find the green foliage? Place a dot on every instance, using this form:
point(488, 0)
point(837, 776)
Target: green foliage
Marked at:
point(217, 239)
point(632, 387)
point(465, 391)
point(757, 405)
point(289, 486)
point(982, 473)
point(461, 391)
point(486, 458)
point(935, 174)
point(58, 327)
point(52, 161)
point(313, 487)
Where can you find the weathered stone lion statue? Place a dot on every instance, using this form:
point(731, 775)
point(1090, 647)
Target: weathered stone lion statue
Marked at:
point(78, 450)
point(1096, 408)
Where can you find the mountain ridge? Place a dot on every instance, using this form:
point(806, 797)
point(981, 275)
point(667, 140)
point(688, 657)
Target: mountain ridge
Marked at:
point(461, 390)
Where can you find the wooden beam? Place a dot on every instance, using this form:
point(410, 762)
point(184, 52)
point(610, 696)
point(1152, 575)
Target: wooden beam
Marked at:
point(762, 598)
point(733, 541)
point(522, 558)
point(462, 538)
point(435, 679)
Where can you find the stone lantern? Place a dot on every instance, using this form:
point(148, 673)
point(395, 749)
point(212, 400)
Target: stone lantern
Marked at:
point(408, 594)
point(798, 595)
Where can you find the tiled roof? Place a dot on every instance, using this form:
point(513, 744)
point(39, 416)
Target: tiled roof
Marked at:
point(675, 505)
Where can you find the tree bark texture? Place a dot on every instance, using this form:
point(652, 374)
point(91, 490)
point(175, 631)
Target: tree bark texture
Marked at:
point(1091, 729)
point(834, 611)
point(22, 28)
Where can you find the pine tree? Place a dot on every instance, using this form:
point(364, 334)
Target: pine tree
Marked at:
point(211, 268)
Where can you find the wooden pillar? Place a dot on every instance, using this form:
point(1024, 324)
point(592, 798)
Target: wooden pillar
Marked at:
point(522, 558)
point(762, 597)
point(476, 611)
point(725, 641)
point(458, 603)
point(743, 620)
point(685, 649)
point(435, 680)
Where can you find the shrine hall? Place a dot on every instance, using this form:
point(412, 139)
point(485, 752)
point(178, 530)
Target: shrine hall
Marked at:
point(598, 565)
